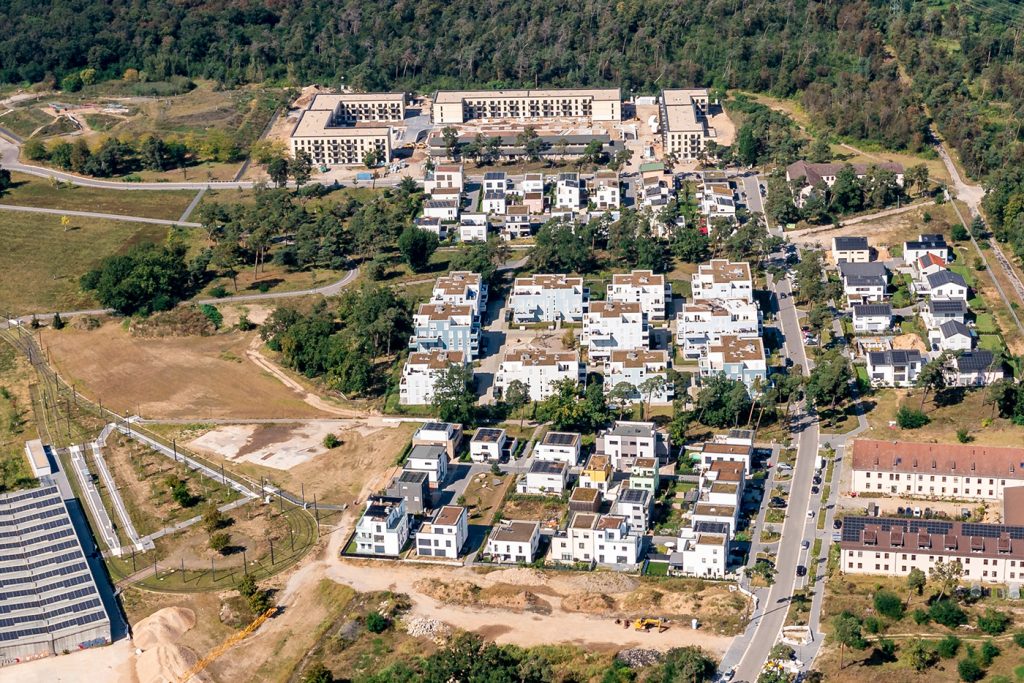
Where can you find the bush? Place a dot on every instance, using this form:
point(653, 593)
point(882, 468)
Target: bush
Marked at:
point(1018, 638)
point(331, 441)
point(920, 617)
point(994, 622)
point(908, 418)
point(959, 233)
point(988, 652)
point(947, 613)
point(377, 269)
point(782, 652)
point(220, 541)
point(887, 648)
point(969, 671)
point(219, 292)
point(873, 624)
point(244, 324)
point(963, 436)
point(948, 647)
point(318, 673)
point(889, 605)
point(376, 622)
point(212, 314)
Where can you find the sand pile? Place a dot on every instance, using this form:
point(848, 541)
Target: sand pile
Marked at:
point(519, 576)
point(163, 659)
point(591, 603)
point(602, 582)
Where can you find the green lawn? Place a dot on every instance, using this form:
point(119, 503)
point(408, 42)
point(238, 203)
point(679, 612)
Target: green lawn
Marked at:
point(25, 120)
point(966, 272)
point(31, 191)
point(992, 342)
point(42, 263)
point(986, 324)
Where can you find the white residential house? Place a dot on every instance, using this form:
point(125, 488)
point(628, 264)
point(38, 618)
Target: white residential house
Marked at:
point(444, 176)
point(603, 540)
point(928, 264)
point(561, 447)
point(447, 194)
point(430, 459)
point(872, 318)
point(703, 322)
point(535, 202)
point(723, 279)
point(473, 228)
point(444, 434)
point(604, 191)
point(851, 250)
point(614, 325)
point(518, 223)
point(642, 286)
point(976, 368)
point(451, 327)
point(490, 444)
point(925, 244)
point(951, 336)
point(421, 371)
point(569, 191)
point(894, 368)
point(445, 210)
point(738, 358)
point(947, 285)
point(627, 440)
point(533, 182)
point(864, 282)
point(703, 550)
point(735, 446)
point(432, 225)
point(717, 200)
point(495, 181)
point(548, 298)
point(636, 366)
point(539, 370)
point(513, 541)
point(935, 312)
point(461, 287)
point(445, 535)
point(636, 506)
point(383, 528)
point(544, 478)
point(495, 202)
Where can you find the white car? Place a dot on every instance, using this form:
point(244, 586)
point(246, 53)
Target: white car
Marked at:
point(805, 544)
point(810, 513)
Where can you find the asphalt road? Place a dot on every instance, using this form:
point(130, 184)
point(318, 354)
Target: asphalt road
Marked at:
point(93, 214)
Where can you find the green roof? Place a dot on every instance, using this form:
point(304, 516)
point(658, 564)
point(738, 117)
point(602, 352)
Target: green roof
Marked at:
point(652, 166)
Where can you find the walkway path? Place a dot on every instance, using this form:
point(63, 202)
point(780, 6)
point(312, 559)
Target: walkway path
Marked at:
point(859, 219)
point(193, 204)
point(127, 526)
point(93, 214)
point(93, 500)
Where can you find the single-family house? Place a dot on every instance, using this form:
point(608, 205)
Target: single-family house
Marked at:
point(925, 244)
point(444, 434)
point(445, 534)
point(872, 318)
point(947, 285)
point(894, 368)
point(414, 488)
point(850, 249)
point(430, 459)
point(383, 528)
point(951, 336)
point(604, 540)
point(544, 478)
point(490, 444)
point(513, 541)
point(976, 368)
point(558, 447)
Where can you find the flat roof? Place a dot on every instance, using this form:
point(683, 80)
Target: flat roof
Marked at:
point(549, 281)
point(714, 510)
point(634, 496)
point(427, 452)
point(583, 494)
point(436, 359)
point(449, 515)
point(443, 311)
point(724, 270)
point(540, 357)
point(514, 531)
point(547, 467)
point(735, 349)
point(313, 123)
point(625, 428)
point(330, 101)
point(561, 439)
point(613, 309)
point(488, 435)
point(638, 358)
point(454, 96)
point(37, 454)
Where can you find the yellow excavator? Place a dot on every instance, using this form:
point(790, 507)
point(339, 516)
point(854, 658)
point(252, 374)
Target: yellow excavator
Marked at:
point(226, 645)
point(646, 624)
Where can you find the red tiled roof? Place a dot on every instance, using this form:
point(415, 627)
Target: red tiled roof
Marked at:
point(938, 458)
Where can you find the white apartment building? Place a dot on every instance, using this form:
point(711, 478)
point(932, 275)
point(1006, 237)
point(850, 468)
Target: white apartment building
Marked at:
point(445, 176)
point(432, 459)
point(473, 228)
point(561, 447)
point(614, 325)
point(684, 122)
point(445, 210)
point(547, 298)
point(738, 358)
point(461, 287)
point(718, 200)
point(568, 191)
point(544, 478)
point(872, 318)
point(651, 291)
point(538, 370)
point(723, 279)
point(597, 104)
point(634, 367)
point(421, 371)
point(626, 441)
point(988, 553)
point(444, 535)
point(533, 182)
point(353, 108)
point(703, 322)
point(929, 470)
point(384, 527)
point(513, 541)
point(894, 368)
point(703, 550)
point(735, 446)
point(604, 540)
point(604, 191)
point(328, 144)
point(490, 444)
point(452, 327)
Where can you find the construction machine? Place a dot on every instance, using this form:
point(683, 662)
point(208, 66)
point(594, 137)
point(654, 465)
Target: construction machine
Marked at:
point(647, 623)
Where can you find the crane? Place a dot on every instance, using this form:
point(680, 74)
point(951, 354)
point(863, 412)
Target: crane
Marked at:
point(230, 642)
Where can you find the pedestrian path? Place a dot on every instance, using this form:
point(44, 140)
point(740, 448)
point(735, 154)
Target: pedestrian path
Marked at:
point(93, 500)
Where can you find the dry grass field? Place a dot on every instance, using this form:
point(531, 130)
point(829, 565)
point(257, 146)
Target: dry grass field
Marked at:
point(171, 377)
point(17, 422)
point(968, 414)
point(32, 191)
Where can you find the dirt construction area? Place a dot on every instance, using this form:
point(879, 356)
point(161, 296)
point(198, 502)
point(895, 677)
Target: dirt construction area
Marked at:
point(189, 377)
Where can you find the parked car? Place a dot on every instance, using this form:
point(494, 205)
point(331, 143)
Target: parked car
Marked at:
point(816, 481)
point(805, 544)
point(814, 490)
point(801, 570)
point(917, 512)
point(837, 524)
point(810, 513)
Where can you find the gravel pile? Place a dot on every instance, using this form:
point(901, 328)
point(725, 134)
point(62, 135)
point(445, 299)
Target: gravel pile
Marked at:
point(637, 657)
point(423, 627)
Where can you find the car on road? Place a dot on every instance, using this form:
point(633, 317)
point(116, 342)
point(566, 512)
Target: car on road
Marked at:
point(810, 513)
point(805, 544)
point(814, 490)
point(816, 481)
point(801, 570)
point(837, 524)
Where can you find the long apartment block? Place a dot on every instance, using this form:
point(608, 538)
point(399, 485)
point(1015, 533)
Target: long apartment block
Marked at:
point(337, 145)
point(460, 106)
point(684, 124)
point(350, 108)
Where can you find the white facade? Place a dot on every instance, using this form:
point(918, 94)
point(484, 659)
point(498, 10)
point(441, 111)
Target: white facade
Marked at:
point(872, 318)
point(946, 285)
point(459, 106)
point(421, 371)
point(445, 535)
point(701, 554)
point(604, 191)
point(441, 209)
point(568, 191)
point(636, 367)
point(445, 176)
point(717, 200)
point(453, 327)
point(924, 245)
point(894, 368)
point(473, 228)
point(513, 541)
point(544, 478)
point(702, 323)
point(644, 287)
point(460, 287)
point(636, 506)
point(558, 447)
point(738, 358)
point(605, 540)
point(430, 459)
point(538, 370)
point(547, 298)
point(384, 527)
point(613, 325)
point(951, 336)
point(723, 279)
point(488, 444)
point(494, 203)
point(683, 122)
point(626, 441)
point(533, 182)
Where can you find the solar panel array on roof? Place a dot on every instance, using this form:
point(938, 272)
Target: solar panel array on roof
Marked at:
point(711, 527)
point(559, 439)
point(434, 427)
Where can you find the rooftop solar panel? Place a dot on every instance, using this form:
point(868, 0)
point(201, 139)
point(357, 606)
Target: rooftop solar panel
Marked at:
point(559, 438)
